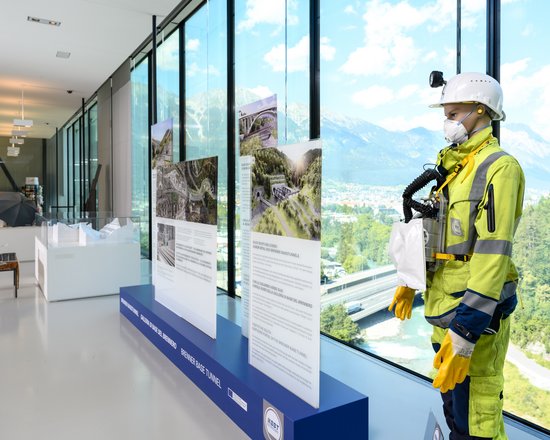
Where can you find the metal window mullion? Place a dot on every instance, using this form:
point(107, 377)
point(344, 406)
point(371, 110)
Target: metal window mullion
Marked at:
point(154, 72)
point(149, 152)
point(68, 203)
point(493, 47)
point(314, 70)
point(72, 160)
point(56, 166)
point(231, 148)
point(89, 149)
point(82, 173)
point(44, 174)
point(458, 36)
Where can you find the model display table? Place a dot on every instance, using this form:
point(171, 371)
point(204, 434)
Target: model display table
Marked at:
point(78, 261)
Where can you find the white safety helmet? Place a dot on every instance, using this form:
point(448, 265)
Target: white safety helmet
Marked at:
point(474, 87)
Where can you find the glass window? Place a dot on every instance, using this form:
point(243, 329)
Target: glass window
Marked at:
point(92, 145)
point(77, 183)
point(69, 163)
point(473, 32)
point(140, 150)
point(61, 187)
point(377, 132)
point(206, 104)
point(85, 160)
point(272, 58)
point(526, 134)
point(168, 86)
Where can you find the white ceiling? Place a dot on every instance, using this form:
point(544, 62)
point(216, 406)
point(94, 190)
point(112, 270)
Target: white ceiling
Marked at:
point(99, 34)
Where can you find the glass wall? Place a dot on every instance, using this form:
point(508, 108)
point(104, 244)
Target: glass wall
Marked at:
point(377, 132)
point(140, 150)
point(69, 183)
point(93, 149)
point(78, 169)
point(60, 171)
point(473, 32)
point(272, 58)
point(205, 42)
point(525, 68)
point(168, 86)
point(77, 159)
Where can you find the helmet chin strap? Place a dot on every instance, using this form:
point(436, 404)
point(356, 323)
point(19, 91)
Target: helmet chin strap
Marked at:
point(478, 129)
point(470, 134)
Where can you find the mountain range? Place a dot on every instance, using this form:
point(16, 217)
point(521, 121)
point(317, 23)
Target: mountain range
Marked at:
point(357, 151)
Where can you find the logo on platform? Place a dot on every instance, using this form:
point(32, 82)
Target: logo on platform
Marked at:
point(433, 430)
point(438, 435)
point(273, 423)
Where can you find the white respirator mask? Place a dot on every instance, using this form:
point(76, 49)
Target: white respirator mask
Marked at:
point(455, 132)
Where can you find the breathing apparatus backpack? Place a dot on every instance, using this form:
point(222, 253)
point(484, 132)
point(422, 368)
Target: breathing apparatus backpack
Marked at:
point(415, 242)
point(432, 210)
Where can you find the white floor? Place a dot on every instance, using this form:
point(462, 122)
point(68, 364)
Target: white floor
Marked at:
point(79, 370)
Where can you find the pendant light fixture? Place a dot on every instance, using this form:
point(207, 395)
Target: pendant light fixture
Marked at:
point(19, 132)
point(16, 140)
point(13, 151)
point(22, 122)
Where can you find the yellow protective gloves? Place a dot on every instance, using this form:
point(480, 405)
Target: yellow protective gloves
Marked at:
point(453, 361)
point(403, 302)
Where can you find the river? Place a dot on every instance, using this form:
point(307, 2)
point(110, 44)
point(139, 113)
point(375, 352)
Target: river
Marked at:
point(407, 343)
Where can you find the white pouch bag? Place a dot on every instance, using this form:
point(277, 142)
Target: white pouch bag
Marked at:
point(407, 250)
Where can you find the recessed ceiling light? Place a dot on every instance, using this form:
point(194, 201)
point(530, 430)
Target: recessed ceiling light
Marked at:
point(61, 54)
point(43, 21)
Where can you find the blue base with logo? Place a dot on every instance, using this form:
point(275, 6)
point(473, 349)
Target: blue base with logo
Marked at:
point(257, 404)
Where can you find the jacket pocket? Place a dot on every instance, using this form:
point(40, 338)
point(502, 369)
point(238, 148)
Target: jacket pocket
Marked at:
point(455, 275)
point(490, 207)
point(459, 234)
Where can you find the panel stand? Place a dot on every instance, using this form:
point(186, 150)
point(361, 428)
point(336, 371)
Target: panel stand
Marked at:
point(258, 405)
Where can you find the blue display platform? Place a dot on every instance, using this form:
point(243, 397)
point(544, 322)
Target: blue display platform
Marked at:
point(258, 405)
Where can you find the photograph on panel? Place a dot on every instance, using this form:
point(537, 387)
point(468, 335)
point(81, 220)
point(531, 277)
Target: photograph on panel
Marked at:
point(166, 244)
point(162, 143)
point(286, 191)
point(258, 125)
point(187, 191)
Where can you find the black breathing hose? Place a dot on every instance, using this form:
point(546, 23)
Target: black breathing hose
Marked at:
point(416, 185)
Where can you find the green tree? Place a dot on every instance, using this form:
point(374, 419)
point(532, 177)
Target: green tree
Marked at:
point(355, 263)
point(346, 243)
point(531, 255)
point(336, 322)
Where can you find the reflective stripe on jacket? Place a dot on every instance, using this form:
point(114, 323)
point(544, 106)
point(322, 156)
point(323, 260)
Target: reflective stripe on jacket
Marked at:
point(485, 205)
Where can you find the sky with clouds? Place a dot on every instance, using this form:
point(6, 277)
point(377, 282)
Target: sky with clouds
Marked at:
point(376, 55)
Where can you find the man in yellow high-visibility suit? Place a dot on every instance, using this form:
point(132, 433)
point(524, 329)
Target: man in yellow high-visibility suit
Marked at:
point(471, 295)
